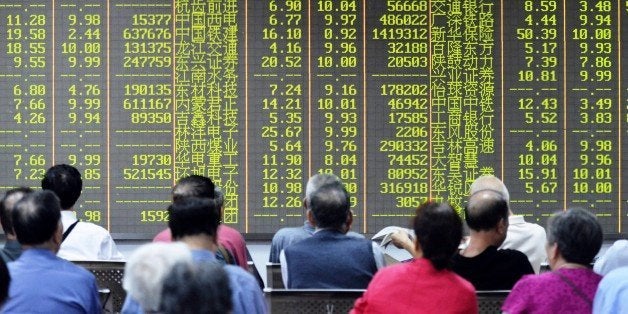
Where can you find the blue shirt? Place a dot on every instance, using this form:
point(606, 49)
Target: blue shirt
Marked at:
point(41, 282)
point(612, 292)
point(246, 295)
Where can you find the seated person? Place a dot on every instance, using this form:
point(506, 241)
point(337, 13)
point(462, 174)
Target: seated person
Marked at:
point(574, 238)
point(229, 239)
point(330, 259)
point(286, 236)
point(41, 282)
point(426, 284)
point(616, 256)
point(481, 263)
point(196, 288)
point(81, 241)
point(12, 249)
point(144, 274)
point(527, 238)
point(612, 292)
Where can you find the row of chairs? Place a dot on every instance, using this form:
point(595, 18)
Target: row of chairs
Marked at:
point(280, 300)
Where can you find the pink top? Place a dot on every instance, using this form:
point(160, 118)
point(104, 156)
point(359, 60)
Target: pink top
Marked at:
point(548, 293)
point(228, 237)
point(417, 287)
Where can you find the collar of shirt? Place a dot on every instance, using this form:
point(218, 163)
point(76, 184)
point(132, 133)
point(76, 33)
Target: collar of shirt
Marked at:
point(516, 220)
point(68, 217)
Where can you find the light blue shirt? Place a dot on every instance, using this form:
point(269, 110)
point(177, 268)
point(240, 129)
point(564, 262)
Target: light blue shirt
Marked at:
point(612, 293)
point(246, 296)
point(41, 282)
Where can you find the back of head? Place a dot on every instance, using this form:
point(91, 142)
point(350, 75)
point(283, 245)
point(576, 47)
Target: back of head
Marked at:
point(485, 209)
point(438, 230)
point(7, 203)
point(65, 181)
point(193, 216)
point(489, 182)
point(196, 288)
point(193, 186)
point(219, 197)
point(577, 233)
point(146, 269)
point(330, 206)
point(316, 182)
point(36, 217)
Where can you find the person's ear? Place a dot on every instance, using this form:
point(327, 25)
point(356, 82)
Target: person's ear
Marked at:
point(552, 252)
point(502, 226)
point(349, 221)
point(310, 217)
point(57, 237)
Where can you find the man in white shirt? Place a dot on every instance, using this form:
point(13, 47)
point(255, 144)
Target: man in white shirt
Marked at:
point(522, 236)
point(82, 241)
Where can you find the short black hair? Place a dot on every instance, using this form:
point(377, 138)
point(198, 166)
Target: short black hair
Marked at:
point(485, 209)
point(7, 203)
point(330, 205)
point(66, 182)
point(36, 217)
point(577, 234)
point(438, 229)
point(193, 186)
point(196, 288)
point(193, 216)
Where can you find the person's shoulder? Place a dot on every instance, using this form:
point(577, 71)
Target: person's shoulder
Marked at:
point(229, 231)
point(511, 254)
point(287, 232)
point(92, 228)
point(240, 276)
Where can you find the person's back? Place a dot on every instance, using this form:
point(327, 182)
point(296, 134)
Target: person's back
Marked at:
point(82, 240)
point(425, 284)
point(612, 292)
point(42, 282)
point(481, 263)
point(330, 258)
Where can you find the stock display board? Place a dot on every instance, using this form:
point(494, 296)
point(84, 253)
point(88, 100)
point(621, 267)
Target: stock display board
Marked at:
point(405, 100)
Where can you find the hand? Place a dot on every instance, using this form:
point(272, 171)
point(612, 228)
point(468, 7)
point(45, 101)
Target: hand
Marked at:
point(402, 240)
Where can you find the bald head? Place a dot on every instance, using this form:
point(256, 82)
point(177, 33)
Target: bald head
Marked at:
point(485, 209)
point(490, 182)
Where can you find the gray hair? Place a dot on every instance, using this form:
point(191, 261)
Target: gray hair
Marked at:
point(146, 269)
point(316, 182)
point(490, 182)
point(577, 233)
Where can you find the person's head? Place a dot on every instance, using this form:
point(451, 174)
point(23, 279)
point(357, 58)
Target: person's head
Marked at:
point(37, 219)
point(575, 235)
point(65, 181)
point(330, 207)
point(193, 186)
point(191, 216)
point(438, 230)
point(219, 197)
point(146, 268)
point(490, 182)
point(196, 288)
point(487, 211)
point(315, 182)
point(11, 197)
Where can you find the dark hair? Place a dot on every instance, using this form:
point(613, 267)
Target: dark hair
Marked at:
point(485, 209)
point(193, 216)
point(5, 281)
point(7, 203)
point(196, 288)
point(36, 217)
point(438, 229)
point(193, 186)
point(330, 205)
point(66, 182)
point(577, 233)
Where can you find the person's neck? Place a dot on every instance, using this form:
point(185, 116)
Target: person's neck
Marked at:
point(561, 263)
point(48, 245)
point(478, 243)
point(200, 242)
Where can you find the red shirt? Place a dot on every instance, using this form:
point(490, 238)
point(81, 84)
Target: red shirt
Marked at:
point(417, 287)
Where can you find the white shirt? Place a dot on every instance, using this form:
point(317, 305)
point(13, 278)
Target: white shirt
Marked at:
point(527, 238)
point(616, 256)
point(87, 241)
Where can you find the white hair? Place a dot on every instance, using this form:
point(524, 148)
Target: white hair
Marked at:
point(146, 269)
point(316, 181)
point(490, 182)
